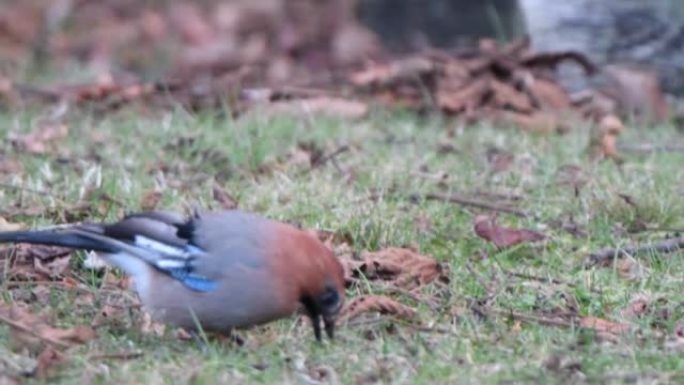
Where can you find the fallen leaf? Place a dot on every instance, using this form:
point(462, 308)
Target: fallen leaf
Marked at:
point(507, 97)
point(602, 325)
point(48, 360)
point(339, 243)
point(605, 145)
point(503, 237)
point(377, 75)
point(53, 268)
point(94, 262)
point(13, 366)
point(150, 200)
point(499, 159)
point(405, 267)
point(637, 92)
point(183, 335)
point(464, 98)
point(9, 226)
point(33, 331)
point(320, 106)
point(38, 141)
point(637, 307)
point(547, 94)
point(538, 121)
point(376, 304)
point(34, 262)
point(10, 166)
point(221, 196)
point(150, 326)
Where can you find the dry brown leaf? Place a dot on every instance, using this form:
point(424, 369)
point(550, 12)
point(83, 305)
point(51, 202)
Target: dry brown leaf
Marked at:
point(33, 331)
point(611, 125)
point(573, 176)
point(605, 326)
point(53, 268)
point(75, 335)
point(503, 237)
point(548, 95)
point(376, 304)
point(337, 242)
point(637, 307)
point(538, 121)
point(605, 146)
point(39, 141)
point(150, 200)
point(507, 97)
point(150, 326)
point(221, 196)
point(377, 75)
point(48, 360)
point(9, 226)
point(34, 262)
point(325, 106)
point(464, 98)
point(499, 159)
point(637, 93)
point(10, 166)
point(405, 267)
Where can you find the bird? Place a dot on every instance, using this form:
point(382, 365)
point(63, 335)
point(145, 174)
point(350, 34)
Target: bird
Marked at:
point(212, 271)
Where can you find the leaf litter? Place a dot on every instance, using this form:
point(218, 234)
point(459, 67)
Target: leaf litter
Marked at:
point(507, 84)
point(399, 272)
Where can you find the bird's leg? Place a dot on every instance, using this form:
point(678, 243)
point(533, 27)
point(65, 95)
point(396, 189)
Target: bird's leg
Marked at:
point(329, 324)
point(314, 313)
point(316, 322)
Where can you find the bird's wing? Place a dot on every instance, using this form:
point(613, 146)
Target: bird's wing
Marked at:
point(160, 239)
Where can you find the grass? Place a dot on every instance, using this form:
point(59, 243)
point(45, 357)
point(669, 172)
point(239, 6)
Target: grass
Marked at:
point(369, 196)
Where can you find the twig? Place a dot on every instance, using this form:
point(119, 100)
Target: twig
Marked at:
point(526, 317)
point(116, 356)
point(634, 377)
point(481, 281)
point(606, 255)
point(645, 148)
point(21, 188)
point(554, 281)
point(342, 149)
point(538, 278)
point(427, 329)
point(26, 329)
point(461, 200)
point(431, 304)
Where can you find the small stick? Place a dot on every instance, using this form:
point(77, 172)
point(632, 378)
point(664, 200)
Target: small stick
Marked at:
point(606, 255)
point(431, 304)
point(646, 148)
point(26, 329)
point(324, 159)
point(526, 317)
point(554, 281)
point(116, 356)
point(490, 293)
point(9, 186)
point(461, 200)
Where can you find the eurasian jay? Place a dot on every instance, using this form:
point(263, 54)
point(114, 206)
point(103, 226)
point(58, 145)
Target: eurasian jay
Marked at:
point(223, 270)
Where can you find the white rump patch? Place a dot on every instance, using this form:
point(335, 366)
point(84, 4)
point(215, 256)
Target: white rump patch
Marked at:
point(171, 264)
point(159, 247)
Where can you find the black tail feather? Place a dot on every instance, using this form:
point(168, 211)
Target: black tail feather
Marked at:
point(55, 238)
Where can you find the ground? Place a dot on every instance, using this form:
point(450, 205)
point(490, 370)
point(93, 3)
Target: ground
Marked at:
point(490, 326)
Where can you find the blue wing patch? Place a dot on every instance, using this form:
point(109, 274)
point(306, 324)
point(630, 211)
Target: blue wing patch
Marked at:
point(193, 281)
